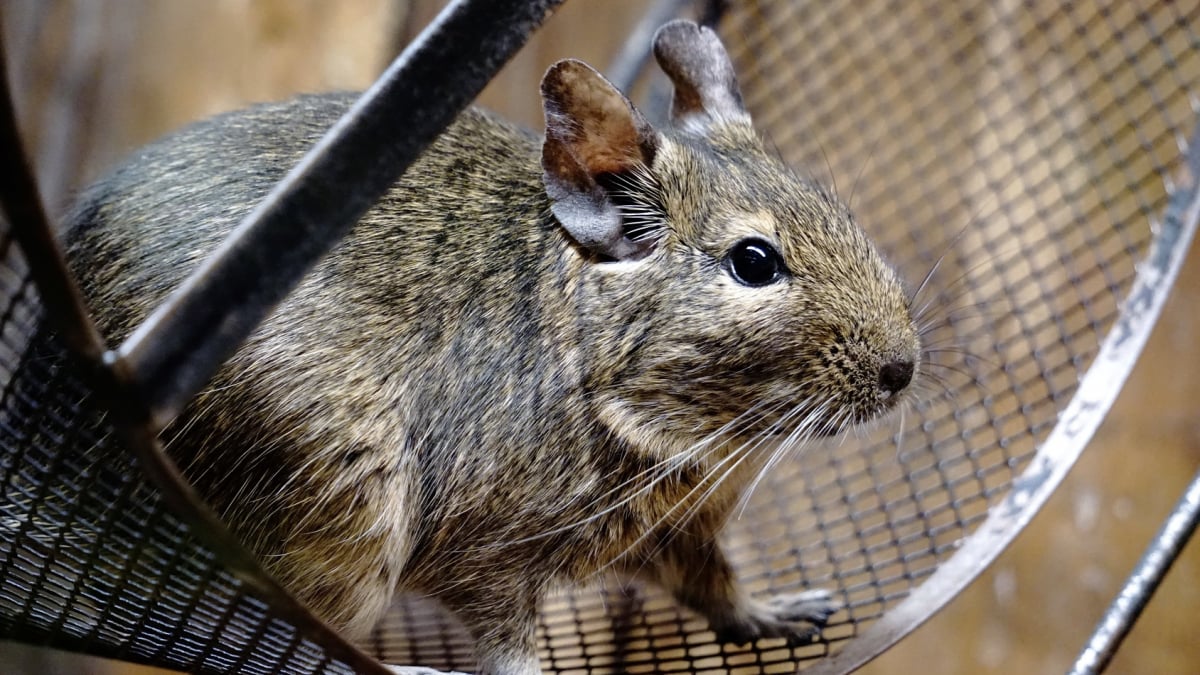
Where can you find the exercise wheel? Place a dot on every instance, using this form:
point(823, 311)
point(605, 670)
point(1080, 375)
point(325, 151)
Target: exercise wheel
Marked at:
point(1027, 165)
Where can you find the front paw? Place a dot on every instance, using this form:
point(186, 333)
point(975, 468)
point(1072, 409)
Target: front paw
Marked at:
point(796, 617)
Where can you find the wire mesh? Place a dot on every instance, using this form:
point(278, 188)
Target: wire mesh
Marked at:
point(90, 558)
point(1018, 150)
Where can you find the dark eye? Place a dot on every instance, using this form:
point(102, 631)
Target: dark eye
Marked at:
point(754, 262)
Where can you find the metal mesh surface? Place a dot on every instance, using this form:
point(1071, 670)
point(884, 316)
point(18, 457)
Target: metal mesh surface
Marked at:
point(90, 558)
point(1019, 149)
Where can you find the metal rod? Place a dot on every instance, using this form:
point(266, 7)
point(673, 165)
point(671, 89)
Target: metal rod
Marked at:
point(22, 205)
point(625, 68)
point(713, 11)
point(175, 352)
point(1141, 584)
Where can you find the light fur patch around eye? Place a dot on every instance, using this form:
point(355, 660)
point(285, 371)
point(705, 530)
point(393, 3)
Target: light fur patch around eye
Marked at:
point(760, 224)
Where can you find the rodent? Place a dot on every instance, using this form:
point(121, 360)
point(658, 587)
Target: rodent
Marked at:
point(531, 361)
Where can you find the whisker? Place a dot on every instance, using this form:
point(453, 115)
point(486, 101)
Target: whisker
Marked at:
point(829, 169)
point(714, 478)
point(957, 369)
point(898, 437)
point(861, 170)
point(659, 471)
point(961, 351)
point(958, 282)
point(735, 457)
point(783, 448)
point(937, 263)
point(747, 449)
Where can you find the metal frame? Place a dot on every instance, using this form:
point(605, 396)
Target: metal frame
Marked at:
point(32, 231)
point(1141, 585)
point(630, 62)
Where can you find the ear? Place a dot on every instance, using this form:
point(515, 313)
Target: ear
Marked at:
point(593, 133)
point(706, 89)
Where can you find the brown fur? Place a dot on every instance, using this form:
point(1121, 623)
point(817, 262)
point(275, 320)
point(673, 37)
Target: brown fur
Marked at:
point(463, 401)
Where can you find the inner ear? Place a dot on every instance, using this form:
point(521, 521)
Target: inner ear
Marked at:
point(595, 139)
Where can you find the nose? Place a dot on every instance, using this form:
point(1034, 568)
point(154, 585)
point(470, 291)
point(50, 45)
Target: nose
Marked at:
point(895, 376)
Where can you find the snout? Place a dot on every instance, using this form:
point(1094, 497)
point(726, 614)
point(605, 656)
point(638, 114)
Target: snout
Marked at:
point(884, 375)
point(895, 376)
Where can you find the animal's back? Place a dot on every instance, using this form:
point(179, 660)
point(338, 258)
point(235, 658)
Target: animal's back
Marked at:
point(134, 235)
point(327, 420)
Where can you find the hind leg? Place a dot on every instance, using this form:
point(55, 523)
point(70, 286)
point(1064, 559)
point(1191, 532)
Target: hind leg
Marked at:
point(343, 557)
point(503, 622)
point(349, 592)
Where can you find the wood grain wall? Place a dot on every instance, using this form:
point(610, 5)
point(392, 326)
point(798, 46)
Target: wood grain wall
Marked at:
point(97, 78)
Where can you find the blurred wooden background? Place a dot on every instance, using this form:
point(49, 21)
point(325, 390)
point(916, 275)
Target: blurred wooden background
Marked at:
point(97, 79)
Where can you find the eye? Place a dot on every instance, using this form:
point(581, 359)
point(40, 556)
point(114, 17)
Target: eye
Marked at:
point(754, 262)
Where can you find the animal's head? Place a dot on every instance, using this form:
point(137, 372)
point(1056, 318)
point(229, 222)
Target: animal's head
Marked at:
point(723, 296)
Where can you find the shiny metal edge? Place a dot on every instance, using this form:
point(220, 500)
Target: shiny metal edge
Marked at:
point(1141, 585)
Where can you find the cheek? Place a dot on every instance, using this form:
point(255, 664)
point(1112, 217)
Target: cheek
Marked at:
point(765, 355)
point(749, 308)
point(731, 325)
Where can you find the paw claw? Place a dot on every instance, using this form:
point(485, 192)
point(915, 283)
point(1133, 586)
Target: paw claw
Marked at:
point(804, 636)
point(798, 618)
